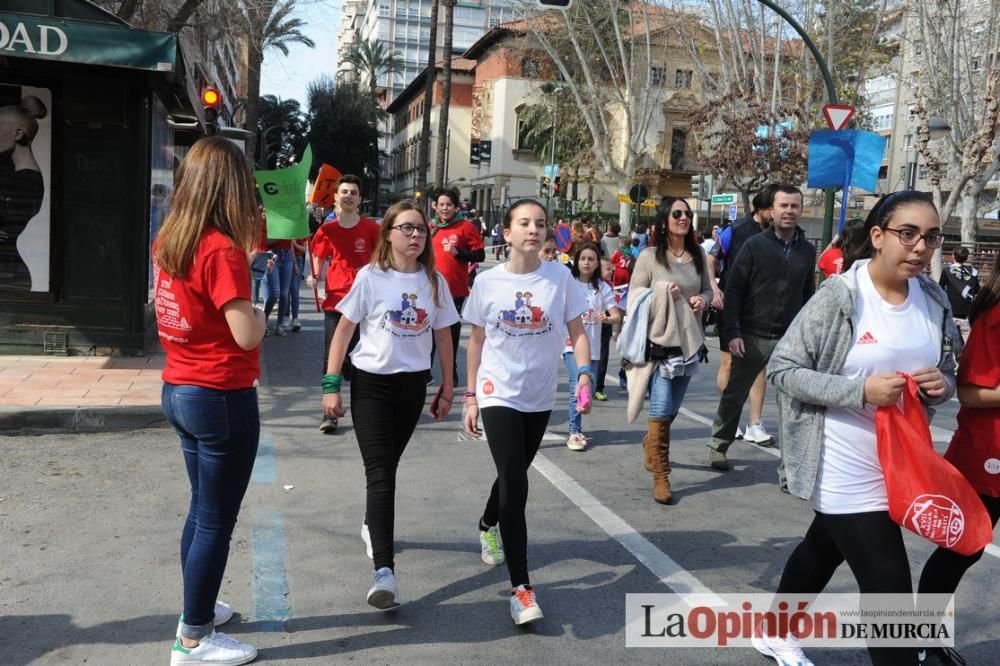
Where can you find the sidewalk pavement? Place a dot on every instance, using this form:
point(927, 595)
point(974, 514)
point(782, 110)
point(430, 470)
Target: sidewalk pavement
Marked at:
point(80, 392)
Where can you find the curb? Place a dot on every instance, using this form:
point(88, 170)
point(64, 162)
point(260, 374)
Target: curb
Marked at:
point(81, 419)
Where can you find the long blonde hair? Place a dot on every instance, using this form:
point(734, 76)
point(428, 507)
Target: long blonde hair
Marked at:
point(214, 188)
point(383, 258)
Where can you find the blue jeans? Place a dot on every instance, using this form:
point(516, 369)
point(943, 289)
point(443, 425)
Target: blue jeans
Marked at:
point(666, 395)
point(219, 432)
point(574, 417)
point(279, 281)
point(293, 290)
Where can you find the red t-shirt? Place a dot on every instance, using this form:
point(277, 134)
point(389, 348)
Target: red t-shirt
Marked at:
point(831, 262)
point(348, 251)
point(619, 260)
point(975, 447)
point(463, 235)
point(193, 330)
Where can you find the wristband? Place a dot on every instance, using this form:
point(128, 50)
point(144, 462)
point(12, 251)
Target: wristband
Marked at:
point(331, 383)
point(470, 394)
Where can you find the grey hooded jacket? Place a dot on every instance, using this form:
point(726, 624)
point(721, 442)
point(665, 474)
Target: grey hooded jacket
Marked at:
point(805, 365)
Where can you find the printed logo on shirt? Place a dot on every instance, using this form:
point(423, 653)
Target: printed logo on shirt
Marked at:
point(359, 244)
point(992, 466)
point(168, 310)
point(408, 321)
point(524, 319)
point(488, 387)
point(867, 339)
point(591, 317)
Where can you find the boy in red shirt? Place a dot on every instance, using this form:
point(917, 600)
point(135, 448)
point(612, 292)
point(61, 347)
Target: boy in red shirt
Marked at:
point(347, 239)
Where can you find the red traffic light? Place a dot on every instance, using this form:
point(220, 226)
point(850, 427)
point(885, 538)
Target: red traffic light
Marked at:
point(211, 97)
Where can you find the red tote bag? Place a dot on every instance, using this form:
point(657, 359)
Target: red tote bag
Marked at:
point(927, 495)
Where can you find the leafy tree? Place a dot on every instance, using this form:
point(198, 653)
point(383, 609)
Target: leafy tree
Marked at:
point(342, 125)
point(371, 59)
point(572, 150)
point(268, 25)
point(290, 139)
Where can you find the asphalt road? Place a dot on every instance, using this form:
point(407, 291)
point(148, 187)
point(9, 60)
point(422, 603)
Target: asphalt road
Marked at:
point(91, 523)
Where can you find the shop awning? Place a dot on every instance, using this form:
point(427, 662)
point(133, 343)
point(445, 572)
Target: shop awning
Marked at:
point(66, 40)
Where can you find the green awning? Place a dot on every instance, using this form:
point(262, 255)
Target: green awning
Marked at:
point(63, 40)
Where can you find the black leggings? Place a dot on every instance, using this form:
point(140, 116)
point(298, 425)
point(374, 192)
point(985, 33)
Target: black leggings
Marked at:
point(602, 365)
point(872, 544)
point(945, 568)
point(514, 438)
point(456, 335)
point(386, 409)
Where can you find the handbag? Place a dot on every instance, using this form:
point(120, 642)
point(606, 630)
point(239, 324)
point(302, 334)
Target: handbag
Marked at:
point(259, 266)
point(927, 495)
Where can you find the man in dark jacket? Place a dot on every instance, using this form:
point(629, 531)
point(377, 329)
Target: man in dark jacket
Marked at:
point(766, 286)
point(960, 282)
point(731, 240)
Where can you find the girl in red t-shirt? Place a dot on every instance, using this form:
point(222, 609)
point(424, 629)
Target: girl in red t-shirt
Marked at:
point(975, 447)
point(210, 332)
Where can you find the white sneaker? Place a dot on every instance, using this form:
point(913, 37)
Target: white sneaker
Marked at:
point(523, 607)
point(216, 648)
point(296, 326)
point(223, 614)
point(577, 442)
point(757, 434)
point(491, 546)
point(384, 592)
point(785, 651)
point(739, 432)
point(367, 538)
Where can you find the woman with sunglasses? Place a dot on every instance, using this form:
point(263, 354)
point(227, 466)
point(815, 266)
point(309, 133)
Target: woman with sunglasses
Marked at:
point(678, 260)
point(838, 362)
point(399, 302)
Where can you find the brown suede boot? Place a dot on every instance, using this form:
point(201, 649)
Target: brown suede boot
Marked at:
point(660, 452)
point(650, 439)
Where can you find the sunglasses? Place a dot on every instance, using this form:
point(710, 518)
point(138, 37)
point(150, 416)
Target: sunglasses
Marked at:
point(678, 214)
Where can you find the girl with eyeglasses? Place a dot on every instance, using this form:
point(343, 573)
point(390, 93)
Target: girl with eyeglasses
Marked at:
point(975, 446)
point(677, 261)
point(837, 363)
point(399, 302)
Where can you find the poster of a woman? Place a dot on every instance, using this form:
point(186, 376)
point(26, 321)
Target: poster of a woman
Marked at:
point(25, 165)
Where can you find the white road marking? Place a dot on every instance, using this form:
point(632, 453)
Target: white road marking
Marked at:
point(669, 572)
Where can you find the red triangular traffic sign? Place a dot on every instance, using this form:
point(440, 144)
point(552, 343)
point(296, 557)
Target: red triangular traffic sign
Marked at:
point(838, 115)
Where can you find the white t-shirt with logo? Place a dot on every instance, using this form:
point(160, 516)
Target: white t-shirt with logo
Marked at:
point(887, 338)
point(397, 316)
point(524, 317)
point(598, 301)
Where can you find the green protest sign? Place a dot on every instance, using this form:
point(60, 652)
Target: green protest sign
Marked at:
point(283, 192)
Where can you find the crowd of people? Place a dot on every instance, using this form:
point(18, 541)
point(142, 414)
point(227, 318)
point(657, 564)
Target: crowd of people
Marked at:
point(399, 289)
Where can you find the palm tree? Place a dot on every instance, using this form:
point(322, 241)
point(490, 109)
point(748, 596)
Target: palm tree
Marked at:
point(442, 145)
point(267, 25)
point(424, 153)
point(291, 136)
point(372, 59)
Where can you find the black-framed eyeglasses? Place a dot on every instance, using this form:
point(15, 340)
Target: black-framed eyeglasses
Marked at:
point(910, 237)
point(410, 229)
point(678, 214)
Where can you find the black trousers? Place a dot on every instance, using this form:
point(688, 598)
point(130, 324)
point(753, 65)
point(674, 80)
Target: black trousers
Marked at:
point(602, 365)
point(456, 335)
point(945, 568)
point(514, 438)
point(386, 409)
point(872, 545)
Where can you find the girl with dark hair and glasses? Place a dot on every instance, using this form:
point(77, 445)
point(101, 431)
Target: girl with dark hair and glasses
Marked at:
point(838, 362)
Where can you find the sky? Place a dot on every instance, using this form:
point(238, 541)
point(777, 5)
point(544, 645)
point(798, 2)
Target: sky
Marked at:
point(288, 77)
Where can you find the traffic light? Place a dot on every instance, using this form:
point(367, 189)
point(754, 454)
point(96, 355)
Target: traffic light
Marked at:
point(556, 186)
point(541, 186)
point(546, 184)
point(211, 100)
point(698, 186)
